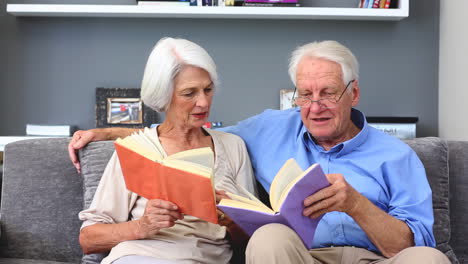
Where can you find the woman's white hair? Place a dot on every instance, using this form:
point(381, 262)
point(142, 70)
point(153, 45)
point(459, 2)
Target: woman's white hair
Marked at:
point(164, 63)
point(329, 50)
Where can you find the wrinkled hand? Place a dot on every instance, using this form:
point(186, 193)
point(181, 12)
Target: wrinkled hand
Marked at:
point(80, 139)
point(221, 195)
point(158, 214)
point(339, 196)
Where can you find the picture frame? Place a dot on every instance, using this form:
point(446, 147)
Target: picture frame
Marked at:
point(122, 107)
point(286, 99)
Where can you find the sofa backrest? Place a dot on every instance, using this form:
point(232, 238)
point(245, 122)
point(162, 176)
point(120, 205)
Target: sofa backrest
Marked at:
point(433, 152)
point(41, 196)
point(458, 162)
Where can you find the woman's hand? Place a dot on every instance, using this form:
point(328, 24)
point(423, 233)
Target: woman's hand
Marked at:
point(158, 214)
point(221, 195)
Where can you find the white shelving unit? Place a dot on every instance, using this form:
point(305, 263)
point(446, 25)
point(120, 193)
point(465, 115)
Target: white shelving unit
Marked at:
point(58, 10)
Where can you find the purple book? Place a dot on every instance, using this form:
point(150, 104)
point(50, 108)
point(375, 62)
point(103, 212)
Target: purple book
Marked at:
point(287, 194)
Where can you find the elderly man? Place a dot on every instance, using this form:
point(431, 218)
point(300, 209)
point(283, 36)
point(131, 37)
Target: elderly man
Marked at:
point(378, 207)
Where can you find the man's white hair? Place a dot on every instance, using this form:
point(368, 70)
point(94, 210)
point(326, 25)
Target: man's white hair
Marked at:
point(164, 63)
point(330, 50)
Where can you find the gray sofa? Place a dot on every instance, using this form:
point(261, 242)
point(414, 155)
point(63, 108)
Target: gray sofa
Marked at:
point(42, 194)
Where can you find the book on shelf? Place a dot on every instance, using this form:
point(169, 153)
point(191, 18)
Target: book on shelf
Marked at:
point(184, 178)
point(272, 4)
point(49, 130)
point(290, 186)
point(400, 127)
point(382, 3)
point(164, 2)
point(272, 1)
point(378, 4)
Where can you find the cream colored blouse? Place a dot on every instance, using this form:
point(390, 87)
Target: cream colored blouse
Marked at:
point(190, 240)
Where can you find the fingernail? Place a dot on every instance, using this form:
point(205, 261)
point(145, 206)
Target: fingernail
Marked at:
point(174, 207)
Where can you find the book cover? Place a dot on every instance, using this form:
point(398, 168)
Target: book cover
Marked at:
point(184, 178)
point(288, 190)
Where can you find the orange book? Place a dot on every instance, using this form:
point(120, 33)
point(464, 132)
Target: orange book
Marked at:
point(184, 178)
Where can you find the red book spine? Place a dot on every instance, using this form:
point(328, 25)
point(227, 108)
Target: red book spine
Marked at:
point(387, 4)
point(376, 4)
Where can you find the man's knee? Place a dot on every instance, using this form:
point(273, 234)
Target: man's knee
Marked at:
point(271, 237)
point(276, 243)
point(422, 255)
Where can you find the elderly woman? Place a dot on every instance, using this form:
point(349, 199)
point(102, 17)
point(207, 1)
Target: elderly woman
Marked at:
point(180, 79)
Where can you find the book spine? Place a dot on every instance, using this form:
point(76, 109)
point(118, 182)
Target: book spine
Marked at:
point(361, 3)
point(382, 3)
point(387, 3)
point(376, 4)
point(272, 4)
point(270, 1)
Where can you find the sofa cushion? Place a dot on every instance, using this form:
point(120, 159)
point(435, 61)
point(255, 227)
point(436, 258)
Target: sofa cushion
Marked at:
point(41, 197)
point(93, 160)
point(458, 153)
point(433, 153)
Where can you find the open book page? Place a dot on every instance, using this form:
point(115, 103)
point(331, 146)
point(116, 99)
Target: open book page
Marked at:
point(254, 202)
point(237, 201)
point(152, 136)
point(200, 156)
point(283, 180)
point(144, 142)
point(189, 166)
point(131, 143)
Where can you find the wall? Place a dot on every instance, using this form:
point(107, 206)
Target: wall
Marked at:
point(453, 92)
point(51, 66)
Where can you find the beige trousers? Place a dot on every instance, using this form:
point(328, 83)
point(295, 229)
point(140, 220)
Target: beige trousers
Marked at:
point(275, 243)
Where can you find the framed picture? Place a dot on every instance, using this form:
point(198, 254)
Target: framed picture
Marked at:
point(122, 107)
point(286, 99)
point(124, 111)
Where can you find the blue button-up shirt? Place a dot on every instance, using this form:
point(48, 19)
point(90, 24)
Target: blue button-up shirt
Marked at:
point(380, 167)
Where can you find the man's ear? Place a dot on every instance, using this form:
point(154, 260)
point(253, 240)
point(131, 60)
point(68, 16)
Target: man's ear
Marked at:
point(356, 92)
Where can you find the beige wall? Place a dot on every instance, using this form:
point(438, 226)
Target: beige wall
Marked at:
point(453, 70)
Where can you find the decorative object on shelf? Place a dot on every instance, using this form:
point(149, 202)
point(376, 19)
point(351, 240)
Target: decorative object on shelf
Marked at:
point(49, 130)
point(124, 111)
point(304, 12)
point(400, 127)
point(378, 4)
point(122, 107)
point(286, 99)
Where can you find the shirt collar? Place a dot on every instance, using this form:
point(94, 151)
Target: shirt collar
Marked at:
point(358, 118)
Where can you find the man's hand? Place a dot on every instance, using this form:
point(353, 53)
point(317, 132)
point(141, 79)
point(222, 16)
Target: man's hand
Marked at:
point(340, 196)
point(80, 139)
point(158, 214)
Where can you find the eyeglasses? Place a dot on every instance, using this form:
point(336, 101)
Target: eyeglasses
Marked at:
point(329, 101)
